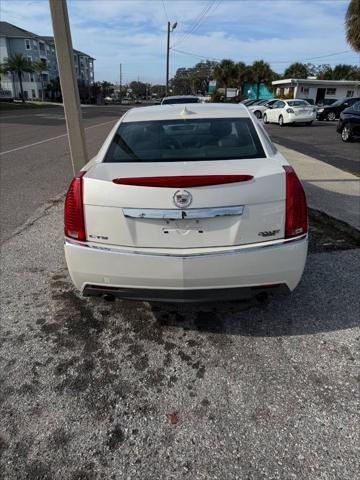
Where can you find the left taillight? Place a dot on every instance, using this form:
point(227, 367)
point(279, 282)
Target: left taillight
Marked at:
point(74, 223)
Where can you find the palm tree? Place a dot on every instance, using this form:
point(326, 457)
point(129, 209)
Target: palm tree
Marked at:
point(352, 24)
point(261, 73)
point(297, 70)
point(225, 72)
point(241, 74)
point(39, 66)
point(18, 64)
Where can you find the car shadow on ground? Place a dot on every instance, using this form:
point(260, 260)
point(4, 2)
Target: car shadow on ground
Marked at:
point(315, 306)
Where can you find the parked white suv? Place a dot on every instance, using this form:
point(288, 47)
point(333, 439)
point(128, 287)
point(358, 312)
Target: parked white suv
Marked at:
point(186, 202)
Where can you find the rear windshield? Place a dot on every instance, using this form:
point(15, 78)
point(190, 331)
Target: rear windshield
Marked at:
point(185, 140)
point(298, 103)
point(172, 101)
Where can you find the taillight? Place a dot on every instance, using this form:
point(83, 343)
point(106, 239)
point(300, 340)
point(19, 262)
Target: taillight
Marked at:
point(74, 224)
point(296, 222)
point(290, 110)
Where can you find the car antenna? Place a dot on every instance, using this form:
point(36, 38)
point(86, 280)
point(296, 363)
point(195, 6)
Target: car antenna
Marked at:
point(186, 112)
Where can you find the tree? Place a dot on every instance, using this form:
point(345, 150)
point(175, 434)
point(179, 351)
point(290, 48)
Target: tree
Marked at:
point(200, 76)
point(324, 72)
point(139, 88)
point(106, 88)
point(180, 84)
point(54, 89)
point(296, 70)
point(158, 90)
point(242, 75)
point(352, 24)
point(19, 65)
point(346, 72)
point(261, 73)
point(225, 73)
point(38, 67)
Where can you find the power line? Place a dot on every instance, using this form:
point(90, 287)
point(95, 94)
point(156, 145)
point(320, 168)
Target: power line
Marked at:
point(198, 20)
point(192, 54)
point(195, 55)
point(165, 11)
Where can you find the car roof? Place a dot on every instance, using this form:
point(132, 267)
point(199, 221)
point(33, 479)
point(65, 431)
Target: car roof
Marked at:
point(182, 111)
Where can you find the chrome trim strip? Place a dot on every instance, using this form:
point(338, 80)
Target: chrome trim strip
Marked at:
point(176, 214)
point(232, 251)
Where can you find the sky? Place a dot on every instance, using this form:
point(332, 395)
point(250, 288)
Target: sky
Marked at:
point(133, 32)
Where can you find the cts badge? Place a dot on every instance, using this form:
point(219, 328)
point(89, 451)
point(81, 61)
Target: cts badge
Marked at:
point(182, 198)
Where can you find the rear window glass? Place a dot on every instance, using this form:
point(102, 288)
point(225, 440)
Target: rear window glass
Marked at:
point(185, 140)
point(172, 101)
point(298, 103)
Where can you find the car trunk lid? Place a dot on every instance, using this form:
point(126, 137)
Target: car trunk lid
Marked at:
point(135, 212)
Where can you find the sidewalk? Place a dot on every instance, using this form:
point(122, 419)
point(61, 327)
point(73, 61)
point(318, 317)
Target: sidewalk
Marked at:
point(328, 189)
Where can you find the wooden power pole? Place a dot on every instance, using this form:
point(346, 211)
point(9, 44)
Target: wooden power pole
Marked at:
point(68, 81)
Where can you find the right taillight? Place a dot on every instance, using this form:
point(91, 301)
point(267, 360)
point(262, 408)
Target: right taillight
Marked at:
point(296, 221)
point(74, 224)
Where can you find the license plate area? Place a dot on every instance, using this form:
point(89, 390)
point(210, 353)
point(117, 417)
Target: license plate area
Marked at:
point(183, 227)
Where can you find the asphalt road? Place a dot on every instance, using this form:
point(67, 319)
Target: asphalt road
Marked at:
point(93, 390)
point(321, 141)
point(35, 164)
point(34, 157)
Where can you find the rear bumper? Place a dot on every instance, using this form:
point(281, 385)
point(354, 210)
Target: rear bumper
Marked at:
point(183, 296)
point(302, 118)
point(180, 274)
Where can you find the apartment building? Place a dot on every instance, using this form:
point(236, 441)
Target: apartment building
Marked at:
point(36, 47)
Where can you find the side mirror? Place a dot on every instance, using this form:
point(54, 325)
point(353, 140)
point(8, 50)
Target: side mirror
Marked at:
point(268, 106)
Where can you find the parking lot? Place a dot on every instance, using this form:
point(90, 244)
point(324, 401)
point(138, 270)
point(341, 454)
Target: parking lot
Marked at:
point(320, 140)
point(267, 388)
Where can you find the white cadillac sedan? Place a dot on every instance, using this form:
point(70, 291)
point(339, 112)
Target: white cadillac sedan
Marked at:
point(290, 112)
point(186, 203)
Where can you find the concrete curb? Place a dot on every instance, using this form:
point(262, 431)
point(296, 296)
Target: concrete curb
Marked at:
point(328, 189)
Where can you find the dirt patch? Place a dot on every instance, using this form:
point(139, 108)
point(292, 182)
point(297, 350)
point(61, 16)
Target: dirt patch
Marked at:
point(327, 234)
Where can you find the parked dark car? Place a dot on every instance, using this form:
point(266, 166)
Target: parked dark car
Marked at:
point(326, 101)
point(332, 112)
point(349, 123)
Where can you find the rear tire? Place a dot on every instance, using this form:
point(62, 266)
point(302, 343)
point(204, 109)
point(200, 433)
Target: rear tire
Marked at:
point(346, 133)
point(331, 116)
point(281, 121)
point(258, 114)
point(265, 120)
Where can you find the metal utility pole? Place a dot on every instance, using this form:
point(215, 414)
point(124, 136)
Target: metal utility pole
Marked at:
point(169, 30)
point(120, 84)
point(68, 82)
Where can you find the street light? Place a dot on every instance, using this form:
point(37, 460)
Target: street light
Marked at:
point(169, 30)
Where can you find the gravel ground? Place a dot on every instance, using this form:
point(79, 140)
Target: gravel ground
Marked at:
point(132, 390)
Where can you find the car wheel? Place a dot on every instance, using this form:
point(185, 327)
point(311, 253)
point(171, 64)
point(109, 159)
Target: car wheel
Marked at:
point(309, 123)
point(331, 116)
point(258, 114)
point(265, 120)
point(346, 134)
point(281, 121)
